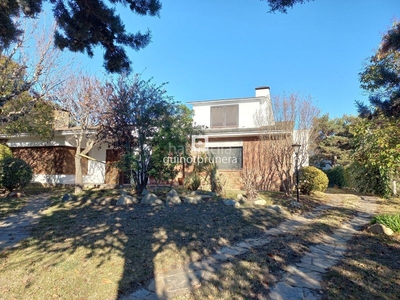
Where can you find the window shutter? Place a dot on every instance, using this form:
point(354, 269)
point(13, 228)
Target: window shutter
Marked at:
point(217, 116)
point(232, 115)
point(224, 116)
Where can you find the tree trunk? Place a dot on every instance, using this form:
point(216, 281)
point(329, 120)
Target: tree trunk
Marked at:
point(78, 162)
point(183, 162)
point(394, 190)
point(142, 178)
point(78, 173)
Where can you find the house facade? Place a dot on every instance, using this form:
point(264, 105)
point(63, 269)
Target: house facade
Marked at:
point(237, 133)
point(53, 162)
point(240, 133)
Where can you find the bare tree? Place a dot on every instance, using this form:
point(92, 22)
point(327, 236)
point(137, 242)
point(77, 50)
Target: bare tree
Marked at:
point(258, 173)
point(33, 65)
point(294, 122)
point(81, 97)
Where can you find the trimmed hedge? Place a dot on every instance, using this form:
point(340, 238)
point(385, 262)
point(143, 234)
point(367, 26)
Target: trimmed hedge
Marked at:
point(367, 180)
point(336, 177)
point(312, 179)
point(16, 173)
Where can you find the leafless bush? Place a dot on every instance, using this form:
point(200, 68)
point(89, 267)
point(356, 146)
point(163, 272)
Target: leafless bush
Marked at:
point(249, 182)
point(273, 160)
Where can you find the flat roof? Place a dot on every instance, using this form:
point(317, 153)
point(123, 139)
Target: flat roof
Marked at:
point(225, 100)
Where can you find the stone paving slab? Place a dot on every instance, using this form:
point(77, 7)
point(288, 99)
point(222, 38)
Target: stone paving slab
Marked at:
point(16, 227)
point(327, 250)
point(284, 291)
point(168, 286)
point(142, 294)
point(302, 281)
point(308, 279)
point(332, 248)
point(311, 267)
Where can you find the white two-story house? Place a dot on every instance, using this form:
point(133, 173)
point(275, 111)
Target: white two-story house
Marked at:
point(233, 131)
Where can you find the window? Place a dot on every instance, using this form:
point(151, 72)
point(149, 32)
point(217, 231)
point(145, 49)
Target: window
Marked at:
point(225, 116)
point(230, 158)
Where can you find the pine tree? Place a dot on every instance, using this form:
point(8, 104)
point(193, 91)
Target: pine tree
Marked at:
point(84, 25)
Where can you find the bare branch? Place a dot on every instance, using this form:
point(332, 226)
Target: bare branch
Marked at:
point(294, 123)
point(32, 65)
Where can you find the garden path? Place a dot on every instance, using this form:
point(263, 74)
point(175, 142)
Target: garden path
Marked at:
point(16, 227)
point(300, 281)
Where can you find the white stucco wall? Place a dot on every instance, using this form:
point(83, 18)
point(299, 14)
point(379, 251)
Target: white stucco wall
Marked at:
point(246, 113)
point(225, 144)
point(202, 115)
point(31, 141)
point(248, 108)
point(302, 137)
point(262, 92)
point(54, 179)
point(96, 169)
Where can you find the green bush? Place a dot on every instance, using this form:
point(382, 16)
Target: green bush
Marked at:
point(215, 180)
point(336, 177)
point(16, 173)
point(5, 152)
point(367, 180)
point(193, 182)
point(391, 221)
point(312, 179)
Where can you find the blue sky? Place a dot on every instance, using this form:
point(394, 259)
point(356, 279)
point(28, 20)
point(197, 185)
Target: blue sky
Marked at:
point(216, 49)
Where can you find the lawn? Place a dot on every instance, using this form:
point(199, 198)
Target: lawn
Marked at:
point(251, 275)
point(80, 250)
point(9, 206)
point(84, 250)
point(371, 267)
point(12, 205)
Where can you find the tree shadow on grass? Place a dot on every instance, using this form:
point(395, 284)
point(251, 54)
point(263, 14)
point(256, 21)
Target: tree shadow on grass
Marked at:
point(370, 270)
point(84, 251)
point(253, 274)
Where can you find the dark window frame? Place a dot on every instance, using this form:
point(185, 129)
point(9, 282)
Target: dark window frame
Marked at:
point(220, 149)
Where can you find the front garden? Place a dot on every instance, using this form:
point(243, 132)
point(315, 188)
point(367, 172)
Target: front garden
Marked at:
point(88, 247)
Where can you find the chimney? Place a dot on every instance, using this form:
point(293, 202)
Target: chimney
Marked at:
point(61, 119)
point(262, 91)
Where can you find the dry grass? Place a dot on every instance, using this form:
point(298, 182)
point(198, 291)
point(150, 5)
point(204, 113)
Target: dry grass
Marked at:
point(9, 206)
point(12, 205)
point(371, 268)
point(251, 275)
point(85, 251)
